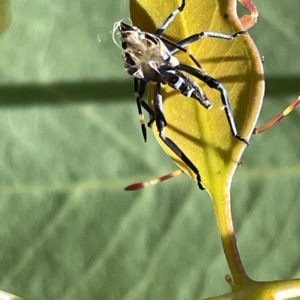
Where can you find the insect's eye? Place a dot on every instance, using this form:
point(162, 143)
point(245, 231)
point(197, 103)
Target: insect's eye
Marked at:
point(124, 45)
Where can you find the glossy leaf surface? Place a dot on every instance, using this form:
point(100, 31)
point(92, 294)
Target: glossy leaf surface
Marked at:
point(204, 136)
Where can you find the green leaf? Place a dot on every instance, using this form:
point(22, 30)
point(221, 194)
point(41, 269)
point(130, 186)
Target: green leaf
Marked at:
point(204, 136)
point(70, 142)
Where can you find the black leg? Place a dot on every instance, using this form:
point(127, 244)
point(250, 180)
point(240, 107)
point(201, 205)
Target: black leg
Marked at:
point(161, 125)
point(169, 19)
point(215, 84)
point(198, 36)
point(139, 90)
point(176, 46)
point(147, 108)
point(180, 46)
point(150, 112)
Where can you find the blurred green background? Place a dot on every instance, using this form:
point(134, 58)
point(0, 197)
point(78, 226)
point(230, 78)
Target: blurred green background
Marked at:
point(70, 142)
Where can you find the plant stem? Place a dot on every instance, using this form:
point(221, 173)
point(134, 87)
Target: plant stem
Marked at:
point(222, 209)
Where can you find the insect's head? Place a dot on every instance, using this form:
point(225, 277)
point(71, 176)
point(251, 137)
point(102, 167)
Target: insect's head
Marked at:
point(134, 38)
point(130, 35)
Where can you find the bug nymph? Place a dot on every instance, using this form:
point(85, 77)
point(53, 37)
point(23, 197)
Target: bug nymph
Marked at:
point(148, 58)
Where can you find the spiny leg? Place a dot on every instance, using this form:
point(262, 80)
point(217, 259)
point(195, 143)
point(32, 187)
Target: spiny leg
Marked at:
point(249, 20)
point(180, 46)
point(215, 84)
point(198, 36)
point(278, 117)
point(161, 125)
point(139, 90)
point(176, 47)
point(169, 19)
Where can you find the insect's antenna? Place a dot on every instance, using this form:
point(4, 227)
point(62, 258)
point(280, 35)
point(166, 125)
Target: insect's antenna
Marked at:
point(140, 185)
point(129, 21)
point(114, 34)
point(278, 117)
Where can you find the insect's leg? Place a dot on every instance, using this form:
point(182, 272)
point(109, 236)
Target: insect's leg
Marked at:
point(146, 107)
point(140, 185)
point(215, 84)
point(150, 112)
point(161, 125)
point(278, 117)
point(139, 90)
point(169, 19)
point(180, 46)
point(198, 36)
point(249, 20)
point(177, 47)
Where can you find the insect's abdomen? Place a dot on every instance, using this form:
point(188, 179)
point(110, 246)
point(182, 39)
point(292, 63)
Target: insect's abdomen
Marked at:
point(178, 81)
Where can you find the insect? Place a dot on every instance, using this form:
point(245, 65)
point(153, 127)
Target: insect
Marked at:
point(149, 59)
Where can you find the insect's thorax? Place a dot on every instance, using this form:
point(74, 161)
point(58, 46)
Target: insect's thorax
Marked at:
point(144, 54)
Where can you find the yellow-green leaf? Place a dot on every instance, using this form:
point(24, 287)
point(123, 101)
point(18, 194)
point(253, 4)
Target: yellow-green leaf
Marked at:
point(204, 135)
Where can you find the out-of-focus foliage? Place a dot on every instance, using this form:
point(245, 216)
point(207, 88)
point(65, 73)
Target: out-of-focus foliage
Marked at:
point(70, 142)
